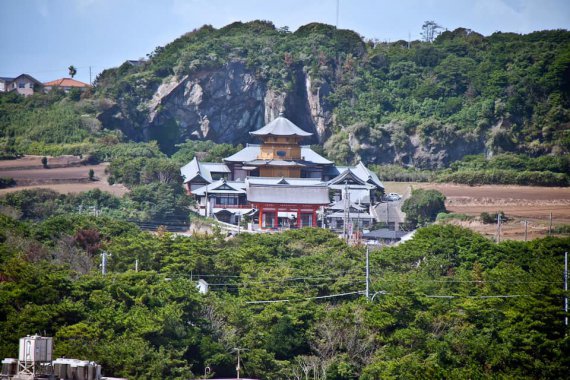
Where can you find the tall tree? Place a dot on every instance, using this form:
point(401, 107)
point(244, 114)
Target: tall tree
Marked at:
point(72, 71)
point(430, 30)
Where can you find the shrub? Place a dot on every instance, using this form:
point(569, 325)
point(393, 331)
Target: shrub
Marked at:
point(442, 216)
point(402, 174)
point(487, 218)
point(423, 206)
point(563, 229)
point(6, 182)
point(505, 177)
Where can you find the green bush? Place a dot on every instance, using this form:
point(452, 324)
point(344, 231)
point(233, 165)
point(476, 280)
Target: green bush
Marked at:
point(6, 182)
point(487, 218)
point(442, 217)
point(505, 177)
point(402, 174)
point(563, 229)
point(423, 206)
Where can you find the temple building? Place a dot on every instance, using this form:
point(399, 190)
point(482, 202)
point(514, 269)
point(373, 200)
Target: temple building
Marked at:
point(282, 184)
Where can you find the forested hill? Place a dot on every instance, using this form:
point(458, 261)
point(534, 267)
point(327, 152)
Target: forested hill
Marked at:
point(421, 103)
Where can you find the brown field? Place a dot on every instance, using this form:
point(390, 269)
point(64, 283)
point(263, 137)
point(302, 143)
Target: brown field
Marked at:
point(65, 175)
point(519, 203)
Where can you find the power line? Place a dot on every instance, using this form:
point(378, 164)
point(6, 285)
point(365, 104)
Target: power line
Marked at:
point(308, 298)
point(341, 273)
point(354, 279)
point(472, 281)
point(275, 281)
point(452, 296)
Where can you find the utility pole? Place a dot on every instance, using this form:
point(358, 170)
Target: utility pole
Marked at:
point(346, 211)
point(136, 265)
point(367, 274)
point(238, 367)
point(104, 257)
point(498, 227)
point(525, 230)
point(349, 232)
point(566, 290)
point(550, 225)
point(90, 82)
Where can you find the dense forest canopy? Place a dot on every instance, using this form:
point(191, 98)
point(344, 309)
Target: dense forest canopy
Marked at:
point(447, 304)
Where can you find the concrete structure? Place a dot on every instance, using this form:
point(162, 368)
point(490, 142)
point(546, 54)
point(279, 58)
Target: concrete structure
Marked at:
point(35, 362)
point(203, 286)
point(384, 236)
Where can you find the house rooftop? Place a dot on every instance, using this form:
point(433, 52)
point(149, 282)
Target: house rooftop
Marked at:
point(283, 181)
point(31, 78)
point(251, 151)
point(66, 82)
point(203, 169)
point(286, 193)
point(221, 187)
point(384, 233)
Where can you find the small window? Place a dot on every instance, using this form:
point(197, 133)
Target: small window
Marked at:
point(281, 153)
point(21, 84)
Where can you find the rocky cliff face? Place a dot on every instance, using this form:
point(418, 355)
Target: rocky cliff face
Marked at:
point(223, 105)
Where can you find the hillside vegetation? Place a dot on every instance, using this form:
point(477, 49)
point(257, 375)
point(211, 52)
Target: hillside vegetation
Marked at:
point(504, 92)
point(448, 304)
point(424, 105)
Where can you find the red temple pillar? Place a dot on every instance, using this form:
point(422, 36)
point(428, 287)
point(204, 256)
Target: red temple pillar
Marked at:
point(276, 219)
point(314, 217)
point(299, 225)
point(260, 216)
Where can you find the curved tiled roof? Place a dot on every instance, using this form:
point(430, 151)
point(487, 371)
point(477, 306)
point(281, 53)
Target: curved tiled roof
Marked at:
point(280, 127)
point(203, 169)
point(251, 151)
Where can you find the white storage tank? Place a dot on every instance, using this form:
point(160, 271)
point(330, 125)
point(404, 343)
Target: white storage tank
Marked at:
point(35, 349)
point(9, 367)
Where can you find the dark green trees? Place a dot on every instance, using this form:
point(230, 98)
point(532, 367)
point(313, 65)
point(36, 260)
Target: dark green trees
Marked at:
point(423, 206)
point(72, 71)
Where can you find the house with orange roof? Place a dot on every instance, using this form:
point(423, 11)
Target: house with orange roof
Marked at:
point(65, 84)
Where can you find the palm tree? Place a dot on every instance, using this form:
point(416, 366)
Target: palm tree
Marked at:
point(72, 71)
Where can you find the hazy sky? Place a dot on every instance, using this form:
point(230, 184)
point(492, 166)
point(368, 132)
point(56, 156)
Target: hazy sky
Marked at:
point(43, 37)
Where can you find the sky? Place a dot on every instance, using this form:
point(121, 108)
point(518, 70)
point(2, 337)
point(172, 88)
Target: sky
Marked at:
point(44, 37)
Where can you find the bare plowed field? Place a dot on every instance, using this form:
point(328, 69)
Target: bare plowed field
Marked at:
point(64, 174)
point(519, 203)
